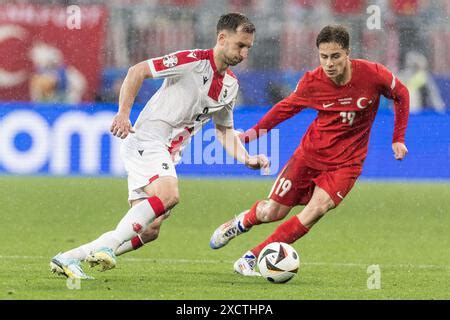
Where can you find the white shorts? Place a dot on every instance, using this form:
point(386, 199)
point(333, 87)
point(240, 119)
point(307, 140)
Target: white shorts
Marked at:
point(143, 166)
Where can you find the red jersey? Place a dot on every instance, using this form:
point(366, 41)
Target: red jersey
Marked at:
point(339, 135)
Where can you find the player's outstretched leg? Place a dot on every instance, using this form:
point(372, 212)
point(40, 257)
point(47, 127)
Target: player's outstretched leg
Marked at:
point(68, 267)
point(261, 212)
point(289, 231)
point(107, 259)
point(102, 250)
point(234, 227)
point(151, 233)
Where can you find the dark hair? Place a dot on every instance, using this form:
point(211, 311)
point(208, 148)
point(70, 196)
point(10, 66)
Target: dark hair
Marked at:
point(338, 34)
point(232, 21)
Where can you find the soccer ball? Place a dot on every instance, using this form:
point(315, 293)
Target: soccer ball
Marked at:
point(278, 262)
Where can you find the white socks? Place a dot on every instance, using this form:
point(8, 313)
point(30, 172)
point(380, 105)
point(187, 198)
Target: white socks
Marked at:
point(133, 244)
point(136, 220)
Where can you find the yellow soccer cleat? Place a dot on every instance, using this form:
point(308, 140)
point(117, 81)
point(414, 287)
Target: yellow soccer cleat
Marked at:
point(104, 257)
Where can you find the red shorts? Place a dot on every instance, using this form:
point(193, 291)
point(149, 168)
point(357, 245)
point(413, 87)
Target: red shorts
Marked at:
point(295, 183)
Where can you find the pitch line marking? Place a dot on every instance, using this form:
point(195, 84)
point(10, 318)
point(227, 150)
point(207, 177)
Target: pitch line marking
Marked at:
point(181, 261)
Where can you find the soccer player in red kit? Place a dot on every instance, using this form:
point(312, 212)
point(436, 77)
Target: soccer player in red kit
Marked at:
point(323, 169)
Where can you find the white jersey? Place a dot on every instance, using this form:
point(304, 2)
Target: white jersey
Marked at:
point(192, 93)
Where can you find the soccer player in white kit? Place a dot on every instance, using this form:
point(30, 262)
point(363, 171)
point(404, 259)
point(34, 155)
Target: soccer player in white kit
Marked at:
point(198, 86)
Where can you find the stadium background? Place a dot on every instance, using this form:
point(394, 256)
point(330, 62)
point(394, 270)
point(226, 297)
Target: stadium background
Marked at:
point(114, 35)
point(65, 141)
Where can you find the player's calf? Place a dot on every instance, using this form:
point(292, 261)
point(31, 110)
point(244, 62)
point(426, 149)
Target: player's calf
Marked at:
point(270, 211)
point(170, 199)
point(166, 189)
point(318, 206)
point(151, 233)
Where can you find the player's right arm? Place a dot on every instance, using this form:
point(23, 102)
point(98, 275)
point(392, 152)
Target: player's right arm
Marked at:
point(172, 65)
point(283, 110)
point(121, 125)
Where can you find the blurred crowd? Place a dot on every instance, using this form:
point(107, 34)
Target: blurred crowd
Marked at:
point(414, 38)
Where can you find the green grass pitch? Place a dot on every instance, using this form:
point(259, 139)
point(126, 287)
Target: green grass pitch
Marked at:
point(402, 227)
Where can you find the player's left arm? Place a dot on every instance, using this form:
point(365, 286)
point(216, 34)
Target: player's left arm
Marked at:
point(231, 142)
point(392, 88)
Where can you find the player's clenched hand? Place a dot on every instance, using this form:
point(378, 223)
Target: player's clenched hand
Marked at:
point(259, 161)
point(121, 126)
point(400, 150)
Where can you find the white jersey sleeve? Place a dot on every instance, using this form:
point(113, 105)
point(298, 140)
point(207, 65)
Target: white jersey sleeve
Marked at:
point(173, 64)
point(224, 117)
point(193, 92)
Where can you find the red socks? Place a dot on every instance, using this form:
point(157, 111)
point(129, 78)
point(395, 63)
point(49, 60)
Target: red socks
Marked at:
point(136, 242)
point(250, 218)
point(157, 206)
point(287, 232)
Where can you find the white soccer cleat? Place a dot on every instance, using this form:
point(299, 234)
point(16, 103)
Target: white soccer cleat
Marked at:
point(246, 265)
point(104, 257)
point(68, 267)
point(227, 231)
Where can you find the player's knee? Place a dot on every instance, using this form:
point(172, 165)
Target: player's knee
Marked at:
point(166, 189)
point(169, 199)
point(172, 200)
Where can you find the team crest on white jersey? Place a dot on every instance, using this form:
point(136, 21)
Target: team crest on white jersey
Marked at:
point(170, 61)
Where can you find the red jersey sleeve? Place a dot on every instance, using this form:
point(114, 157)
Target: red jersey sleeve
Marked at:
point(392, 88)
point(283, 110)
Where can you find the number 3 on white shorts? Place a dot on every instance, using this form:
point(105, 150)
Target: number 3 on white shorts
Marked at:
point(284, 185)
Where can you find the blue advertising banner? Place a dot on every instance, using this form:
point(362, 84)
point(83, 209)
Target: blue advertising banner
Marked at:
point(44, 139)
